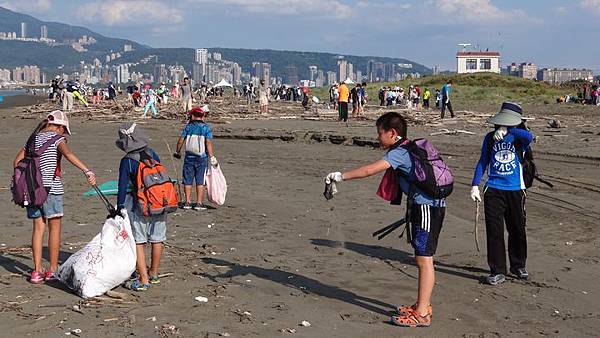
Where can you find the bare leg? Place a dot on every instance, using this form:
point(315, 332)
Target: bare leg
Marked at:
point(200, 193)
point(187, 190)
point(426, 283)
point(141, 263)
point(37, 237)
point(54, 225)
point(157, 249)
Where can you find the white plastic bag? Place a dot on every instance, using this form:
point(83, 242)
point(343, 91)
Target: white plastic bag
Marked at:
point(216, 186)
point(105, 262)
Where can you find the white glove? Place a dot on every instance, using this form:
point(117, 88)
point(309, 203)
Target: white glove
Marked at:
point(500, 133)
point(332, 179)
point(475, 196)
point(213, 161)
point(335, 177)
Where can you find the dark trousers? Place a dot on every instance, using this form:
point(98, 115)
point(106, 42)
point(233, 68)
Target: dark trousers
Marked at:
point(505, 207)
point(343, 110)
point(449, 105)
point(425, 103)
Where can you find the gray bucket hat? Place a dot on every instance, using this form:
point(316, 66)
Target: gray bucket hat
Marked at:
point(510, 115)
point(131, 137)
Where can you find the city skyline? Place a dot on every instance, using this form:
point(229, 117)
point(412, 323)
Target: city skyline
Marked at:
point(427, 32)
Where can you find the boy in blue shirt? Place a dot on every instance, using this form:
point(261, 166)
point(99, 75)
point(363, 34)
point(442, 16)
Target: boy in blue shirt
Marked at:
point(426, 219)
point(504, 194)
point(198, 149)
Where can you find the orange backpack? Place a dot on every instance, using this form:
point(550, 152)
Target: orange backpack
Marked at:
point(156, 192)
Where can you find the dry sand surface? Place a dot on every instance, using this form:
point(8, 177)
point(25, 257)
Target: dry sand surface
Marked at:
point(278, 254)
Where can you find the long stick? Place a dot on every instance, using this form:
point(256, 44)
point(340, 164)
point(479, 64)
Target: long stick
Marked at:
point(477, 226)
point(174, 167)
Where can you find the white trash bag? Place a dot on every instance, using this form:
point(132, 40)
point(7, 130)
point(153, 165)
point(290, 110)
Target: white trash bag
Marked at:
point(104, 263)
point(216, 185)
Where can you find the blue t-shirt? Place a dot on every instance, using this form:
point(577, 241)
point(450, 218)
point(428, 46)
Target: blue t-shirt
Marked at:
point(446, 90)
point(399, 159)
point(502, 162)
point(195, 135)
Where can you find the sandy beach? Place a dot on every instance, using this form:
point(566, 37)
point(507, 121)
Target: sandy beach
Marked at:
point(277, 254)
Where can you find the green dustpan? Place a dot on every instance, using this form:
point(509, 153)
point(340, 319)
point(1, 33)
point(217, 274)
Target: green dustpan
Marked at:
point(110, 188)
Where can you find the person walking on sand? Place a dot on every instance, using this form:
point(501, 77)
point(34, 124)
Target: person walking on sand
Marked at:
point(197, 137)
point(426, 96)
point(186, 95)
point(50, 134)
point(355, 97)
point(425, 220)
point(344, 95)
point(263, 97)
point(146, 229)
point(446, 91)
point(150, 103)
point(504, 193)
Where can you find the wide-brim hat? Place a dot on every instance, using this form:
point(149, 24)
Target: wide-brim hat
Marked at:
point(131, 137)
point(510, 115)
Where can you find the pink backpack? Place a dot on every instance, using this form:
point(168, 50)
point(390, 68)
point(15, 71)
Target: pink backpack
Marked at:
point(27, 185)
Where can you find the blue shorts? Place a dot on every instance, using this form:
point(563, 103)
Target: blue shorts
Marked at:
point(426, 224)
point(194, 168)
point(52, 208)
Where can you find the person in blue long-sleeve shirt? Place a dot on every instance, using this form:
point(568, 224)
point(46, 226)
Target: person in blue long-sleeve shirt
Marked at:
point(446, 91)
point(146, 229)
point(504, 194)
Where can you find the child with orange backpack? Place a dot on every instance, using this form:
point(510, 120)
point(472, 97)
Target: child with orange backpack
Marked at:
point(152, 197)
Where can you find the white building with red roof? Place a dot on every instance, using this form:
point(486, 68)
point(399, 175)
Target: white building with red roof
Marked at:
point(477, 62)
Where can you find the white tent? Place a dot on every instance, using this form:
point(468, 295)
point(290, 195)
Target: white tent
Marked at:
point(223, 83)
point(349, 81)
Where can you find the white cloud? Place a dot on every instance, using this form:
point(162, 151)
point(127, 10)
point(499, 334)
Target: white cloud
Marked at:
point(319, 8)
point(591, 4)
point(129, 13)
point(477, 11)
point(560, 10)
point(32, 6)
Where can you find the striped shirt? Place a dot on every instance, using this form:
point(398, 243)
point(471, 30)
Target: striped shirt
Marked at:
point(49, 162)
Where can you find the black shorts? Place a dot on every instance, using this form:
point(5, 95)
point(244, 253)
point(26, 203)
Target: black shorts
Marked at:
point(426, 224)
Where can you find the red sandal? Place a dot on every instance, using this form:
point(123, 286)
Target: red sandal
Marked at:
point(412, 319)
point(403, 310)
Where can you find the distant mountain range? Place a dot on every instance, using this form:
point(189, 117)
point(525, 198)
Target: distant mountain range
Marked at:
point(15, 53)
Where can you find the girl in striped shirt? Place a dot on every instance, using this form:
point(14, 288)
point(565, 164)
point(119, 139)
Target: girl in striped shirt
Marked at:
point(52, 130)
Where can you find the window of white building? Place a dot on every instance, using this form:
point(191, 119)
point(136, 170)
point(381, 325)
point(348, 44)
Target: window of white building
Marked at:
point(471, 63)
point(485, 64)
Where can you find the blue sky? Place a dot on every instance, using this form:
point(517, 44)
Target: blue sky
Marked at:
point(550, 33)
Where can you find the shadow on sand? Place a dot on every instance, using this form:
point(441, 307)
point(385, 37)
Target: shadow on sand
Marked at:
point(302, 283)
point(404, 257)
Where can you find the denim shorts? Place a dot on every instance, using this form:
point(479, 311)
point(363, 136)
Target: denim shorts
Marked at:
point(52, 208)
point(152, 229)
point(194, 168)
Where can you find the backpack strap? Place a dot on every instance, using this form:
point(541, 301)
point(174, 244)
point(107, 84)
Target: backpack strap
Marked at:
point(46, 145)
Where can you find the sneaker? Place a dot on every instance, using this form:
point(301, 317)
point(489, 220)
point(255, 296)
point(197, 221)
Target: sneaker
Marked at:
point(520, 273)
point(49, 276)
point(495, 279)
point(37, 277)
point(198, 206)
point(187, 206)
